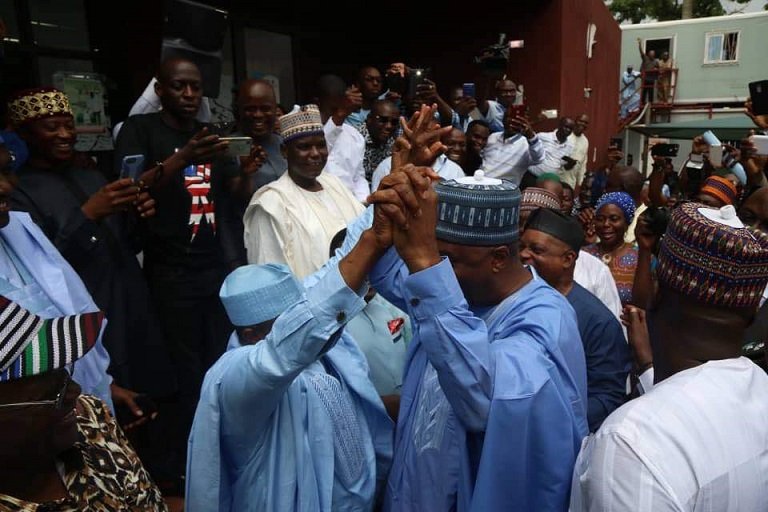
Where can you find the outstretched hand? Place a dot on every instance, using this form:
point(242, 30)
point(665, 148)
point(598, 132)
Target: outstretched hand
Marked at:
point(421, 139)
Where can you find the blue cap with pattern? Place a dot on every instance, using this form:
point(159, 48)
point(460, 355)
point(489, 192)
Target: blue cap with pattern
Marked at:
point(478, 211)
point(253, 294)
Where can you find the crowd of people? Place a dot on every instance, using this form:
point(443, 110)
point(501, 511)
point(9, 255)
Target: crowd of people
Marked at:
point(392, 302)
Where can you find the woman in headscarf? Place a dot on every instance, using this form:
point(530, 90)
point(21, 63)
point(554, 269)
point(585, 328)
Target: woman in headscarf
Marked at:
point(613, 215)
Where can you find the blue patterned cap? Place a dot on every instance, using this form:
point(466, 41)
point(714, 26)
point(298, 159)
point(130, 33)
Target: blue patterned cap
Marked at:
point(256, 293)
point(621, 199)
point(478, 211)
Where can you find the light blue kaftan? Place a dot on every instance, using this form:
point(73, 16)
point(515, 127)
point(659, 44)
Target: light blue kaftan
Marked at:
point(493, 406)
point(39, 279)
point(507, 434)
point(292, 423)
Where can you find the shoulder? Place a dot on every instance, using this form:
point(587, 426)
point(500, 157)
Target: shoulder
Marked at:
point(589, 308)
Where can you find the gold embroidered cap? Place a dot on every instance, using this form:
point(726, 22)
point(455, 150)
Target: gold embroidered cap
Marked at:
point(32, 104)
point(301, 122)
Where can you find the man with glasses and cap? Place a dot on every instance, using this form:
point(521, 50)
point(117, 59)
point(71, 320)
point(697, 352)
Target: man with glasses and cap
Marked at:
point(696, 440)
point(61, 451)
point(288, 418)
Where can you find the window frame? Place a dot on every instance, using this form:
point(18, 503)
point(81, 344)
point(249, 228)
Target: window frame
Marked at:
point(708, 36)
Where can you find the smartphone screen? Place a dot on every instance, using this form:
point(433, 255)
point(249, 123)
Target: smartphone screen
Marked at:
point(132, 167)
point(716, 155)
point(469, 90)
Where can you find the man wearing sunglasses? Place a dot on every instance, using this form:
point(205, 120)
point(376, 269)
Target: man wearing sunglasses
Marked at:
point(355, 153)
point(61, 451)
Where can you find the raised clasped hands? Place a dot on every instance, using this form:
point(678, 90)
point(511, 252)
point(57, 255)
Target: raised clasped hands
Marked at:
point(405, 215)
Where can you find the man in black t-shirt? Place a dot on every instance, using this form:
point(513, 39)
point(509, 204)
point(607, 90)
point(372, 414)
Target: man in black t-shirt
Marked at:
point(182, 254)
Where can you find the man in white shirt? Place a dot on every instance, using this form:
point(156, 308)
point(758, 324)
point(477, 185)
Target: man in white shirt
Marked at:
point(493, 111)
point(445, 168)
point(354, 153)
point(557, 150)
point(292, 220)
point(580, 153)
point(508, 154)
point(697, 439)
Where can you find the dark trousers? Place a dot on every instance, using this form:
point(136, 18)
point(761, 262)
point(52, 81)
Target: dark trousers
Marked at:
point(648, 88)
point(196, 328)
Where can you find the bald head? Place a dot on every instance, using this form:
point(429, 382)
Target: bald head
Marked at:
point(170, 67)
point(256, 108)
point(582, 123)
point(626, 179)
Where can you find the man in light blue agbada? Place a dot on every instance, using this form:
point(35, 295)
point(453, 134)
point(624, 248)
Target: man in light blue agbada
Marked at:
point(493, 405)
point(36, 276)
point(288, 419)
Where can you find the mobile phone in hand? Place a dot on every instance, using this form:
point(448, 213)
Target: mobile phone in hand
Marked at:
point(758, 92)
point(125, 416)
point(468, 90)
point(238, 146)
point(516, 111)
point(132, 167)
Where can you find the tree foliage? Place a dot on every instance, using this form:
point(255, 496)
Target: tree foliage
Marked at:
point(636, 11)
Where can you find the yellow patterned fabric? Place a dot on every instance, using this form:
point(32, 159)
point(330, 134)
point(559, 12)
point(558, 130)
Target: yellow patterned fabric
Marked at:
point(38, 103)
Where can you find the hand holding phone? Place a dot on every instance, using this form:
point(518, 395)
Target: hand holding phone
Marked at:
point(132, 167)
point(238, 146)
point(468, 90)
point(760, 143)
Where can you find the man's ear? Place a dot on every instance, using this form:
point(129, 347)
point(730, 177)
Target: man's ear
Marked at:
point(500, 257)
point(158, 89)
point(569, 259)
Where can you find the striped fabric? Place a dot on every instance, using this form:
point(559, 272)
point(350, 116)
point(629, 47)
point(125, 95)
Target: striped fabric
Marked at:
point(30, 345)
point(479, 215)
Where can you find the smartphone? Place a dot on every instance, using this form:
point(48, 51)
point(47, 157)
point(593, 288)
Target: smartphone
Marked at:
point(132, 167)
point(665, 150)
point(716, 155)
point(395, 83)
point(761, 144)
point(516, 110)
point(468, 90)
point(758, 91)
point(416, 77)
point(617, 142)
point(125, 416)
point(696, 158)
point(711, 139)
point(238, 146)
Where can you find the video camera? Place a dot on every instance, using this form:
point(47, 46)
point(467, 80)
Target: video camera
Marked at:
point(494, 58)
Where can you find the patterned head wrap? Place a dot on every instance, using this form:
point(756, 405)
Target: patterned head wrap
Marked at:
point(301, 122)
point(31, 345)
point(534, 198)
point(622, 200)
point(709, 256)
point(34, 104)
point(720, 188)
point(478, 211)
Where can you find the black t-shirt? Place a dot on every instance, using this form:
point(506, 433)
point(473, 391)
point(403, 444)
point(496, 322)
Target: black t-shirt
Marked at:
point(182, 234)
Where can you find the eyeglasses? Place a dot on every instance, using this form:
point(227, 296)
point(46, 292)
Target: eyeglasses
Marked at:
point(388, 120)
point(56, 402)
